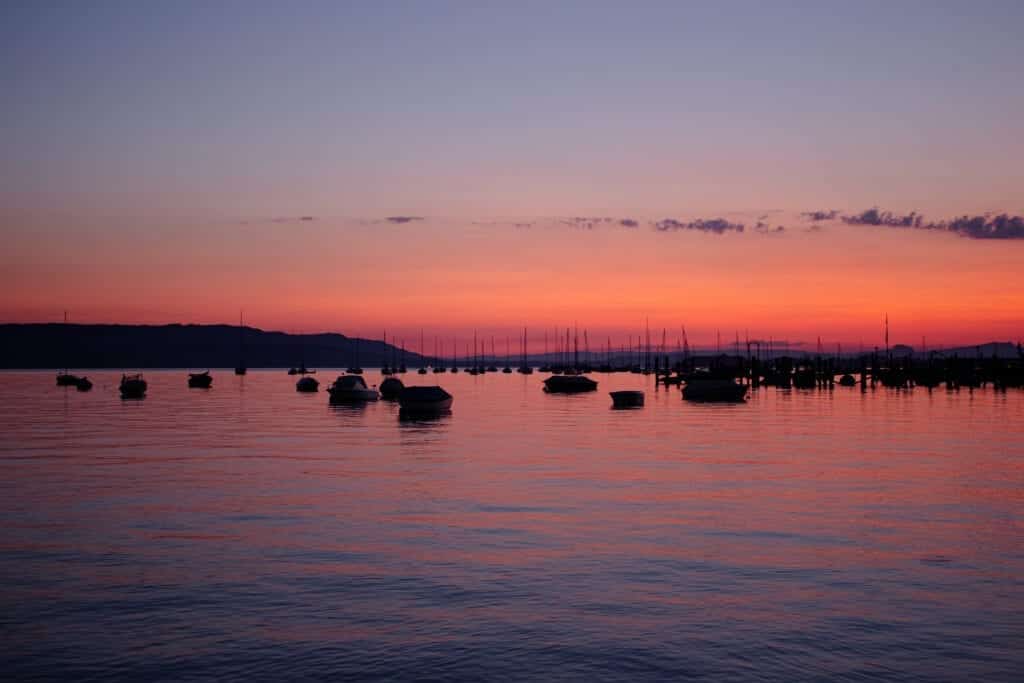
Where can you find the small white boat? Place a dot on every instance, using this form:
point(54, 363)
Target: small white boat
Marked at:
point(351, 389)
point(425, 400)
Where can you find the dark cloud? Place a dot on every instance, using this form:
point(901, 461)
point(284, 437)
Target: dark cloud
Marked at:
point(403, 219)
point(717, 226)
point(829, 215)
point(887, 218)
point(984, 227)
point(586, 222)
point(999, 227)
point(628, 223)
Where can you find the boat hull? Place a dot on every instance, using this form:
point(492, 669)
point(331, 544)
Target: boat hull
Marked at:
point(200, 381)
point(425, 400)
point(307, 385)
point(714, 391)
point(627, 399)
point(353, 396)
point(569, 384)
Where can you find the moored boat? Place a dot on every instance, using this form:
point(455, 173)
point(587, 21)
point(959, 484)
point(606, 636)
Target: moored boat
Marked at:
point(351, 389)
point(627, 399)
point(432, 399)
point(200, 380)
point(83, 384)
point(65, 379)
point(307, 385)
point(133, 386)
point(713, 387)
point(569, 384)
point(391, 388)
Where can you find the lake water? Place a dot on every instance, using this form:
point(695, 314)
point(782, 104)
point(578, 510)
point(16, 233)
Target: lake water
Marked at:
point(252, 533)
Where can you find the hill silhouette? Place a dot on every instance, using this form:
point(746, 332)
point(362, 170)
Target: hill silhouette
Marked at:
point(54, 345)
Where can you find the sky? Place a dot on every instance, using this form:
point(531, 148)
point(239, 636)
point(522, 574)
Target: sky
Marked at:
point(357, 167)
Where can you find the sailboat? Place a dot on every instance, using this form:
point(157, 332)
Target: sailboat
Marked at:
point(65, 378)
point(438, 361)
point(422, 370)
point(386, 369)
point(240, 369)
point(508, 354)
point(302, 369)
point(492, 367)
point(525, 369)
point(355, 369)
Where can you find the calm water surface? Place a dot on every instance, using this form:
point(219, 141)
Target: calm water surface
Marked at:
point(252, 533)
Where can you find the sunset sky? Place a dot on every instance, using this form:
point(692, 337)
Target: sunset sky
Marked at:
point(459, 166)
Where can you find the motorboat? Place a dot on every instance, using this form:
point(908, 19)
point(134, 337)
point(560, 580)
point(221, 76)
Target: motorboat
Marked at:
point(83, 384)
point(65, 379)
point(627, 399)
point(569, 384)
point(133, 386)
point(391, 388)
point(706, 386)
point(307, 385)
point(432, 399)
point(200, 380)
point(351, 389)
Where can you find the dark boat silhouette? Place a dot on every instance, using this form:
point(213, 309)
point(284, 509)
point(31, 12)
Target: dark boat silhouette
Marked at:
point(627, 399)
point(569, 384)
point(133, 386)
point(200, 380)
point(524, 368)
point(307, 385)
point(391, 388)
point(713, 387)
point(240, 369)
point(351, 389)
point(425, 400)
point(83, 384)
point(355, 369)
point(805, 377)
point(847, 380)
point(65, 379)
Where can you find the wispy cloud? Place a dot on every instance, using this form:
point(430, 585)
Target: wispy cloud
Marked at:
point(628, 223)
point(717, 226)
point(1000, 227)
point(873, 216)
point(764, 228)
point(403, 219)
point(278, 220)
point(980, 227)
point(829, 215)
